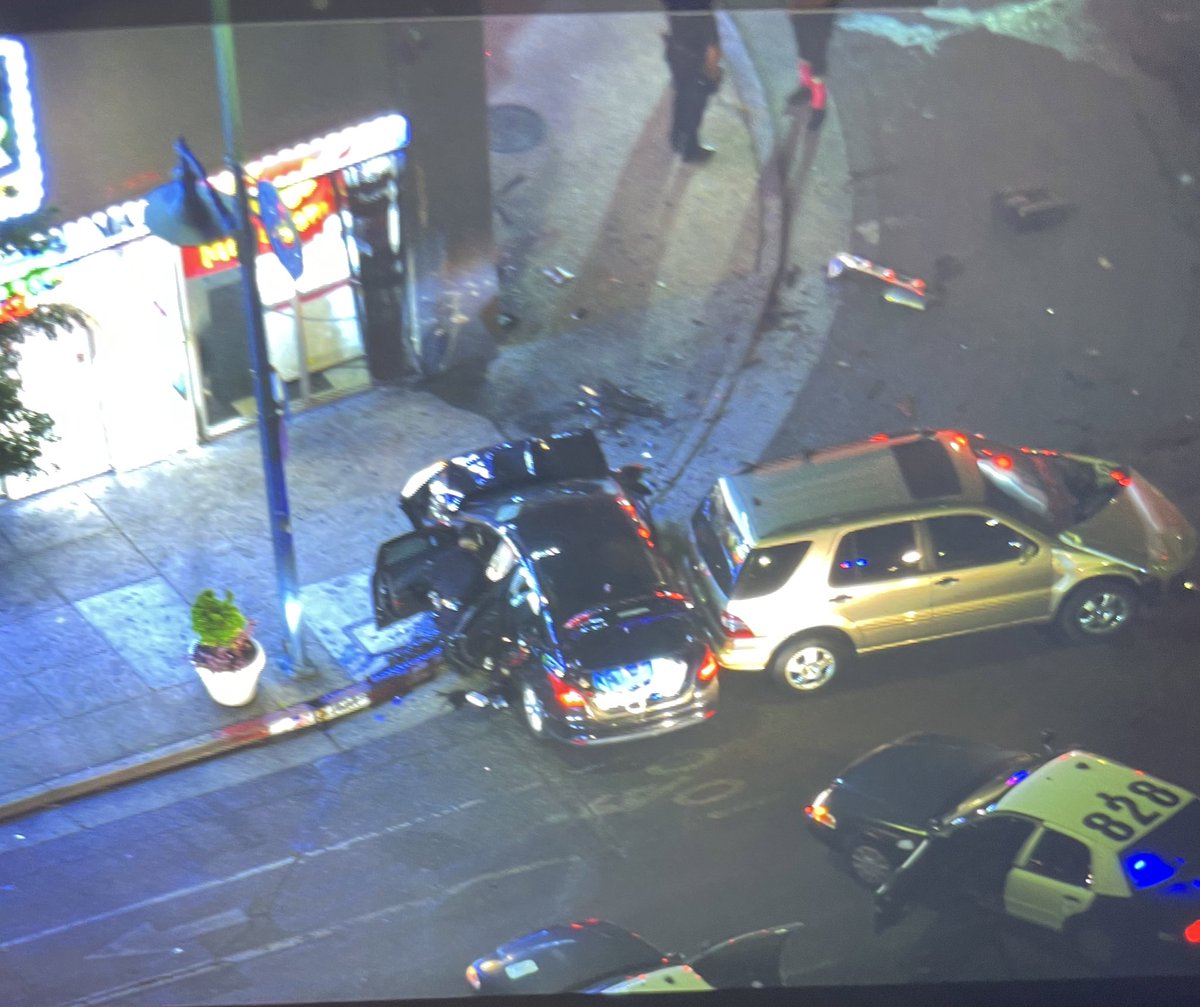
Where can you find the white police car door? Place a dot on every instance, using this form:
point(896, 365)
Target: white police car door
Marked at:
point(1051, 881)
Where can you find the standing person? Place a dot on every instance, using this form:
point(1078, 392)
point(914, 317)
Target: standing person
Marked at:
point(812, 24)
point(693, 53)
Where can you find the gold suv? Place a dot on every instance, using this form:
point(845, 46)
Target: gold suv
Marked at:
point(807, 561)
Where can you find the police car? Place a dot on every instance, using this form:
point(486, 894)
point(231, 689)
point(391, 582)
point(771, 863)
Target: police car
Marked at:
point(1073, 842)
point(595, 956)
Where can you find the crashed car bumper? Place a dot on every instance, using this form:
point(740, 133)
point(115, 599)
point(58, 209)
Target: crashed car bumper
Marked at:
point(1182, 588)
point(586, 733)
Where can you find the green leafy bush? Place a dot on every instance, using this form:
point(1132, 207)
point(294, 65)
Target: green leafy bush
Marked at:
point(224, 632)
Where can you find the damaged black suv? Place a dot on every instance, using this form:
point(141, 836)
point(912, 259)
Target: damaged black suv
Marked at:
point(541, 567)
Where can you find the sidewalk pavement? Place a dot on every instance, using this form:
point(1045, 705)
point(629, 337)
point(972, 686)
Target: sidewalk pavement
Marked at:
point(96, 579)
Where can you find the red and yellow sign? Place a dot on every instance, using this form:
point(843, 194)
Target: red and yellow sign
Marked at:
point(310, 203)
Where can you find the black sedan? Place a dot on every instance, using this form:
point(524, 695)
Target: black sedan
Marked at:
point(594, 956)
point(884, 803)
point(543, 571)
point(1077, 844)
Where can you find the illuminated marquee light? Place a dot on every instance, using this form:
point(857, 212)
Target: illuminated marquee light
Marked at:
point(96, 231)
point(22, 183)
point(20, 298)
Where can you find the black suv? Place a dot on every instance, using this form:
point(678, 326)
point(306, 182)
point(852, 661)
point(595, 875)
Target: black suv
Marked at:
point(541, 567)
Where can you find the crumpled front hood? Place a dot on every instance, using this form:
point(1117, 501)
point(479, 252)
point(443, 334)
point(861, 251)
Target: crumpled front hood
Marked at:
point(1139, 527)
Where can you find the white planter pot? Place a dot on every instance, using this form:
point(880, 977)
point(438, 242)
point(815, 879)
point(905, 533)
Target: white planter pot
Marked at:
point(234, 688)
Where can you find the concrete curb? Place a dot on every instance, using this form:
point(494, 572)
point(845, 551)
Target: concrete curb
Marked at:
point(770, 253)
point(381, 687)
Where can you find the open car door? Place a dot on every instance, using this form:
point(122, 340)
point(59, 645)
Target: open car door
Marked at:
point(751, 960)
point(897, 894)
point(417, 572)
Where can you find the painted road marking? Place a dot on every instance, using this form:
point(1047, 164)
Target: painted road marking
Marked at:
point(249, 872)
point(147, 939)
point(318, 933)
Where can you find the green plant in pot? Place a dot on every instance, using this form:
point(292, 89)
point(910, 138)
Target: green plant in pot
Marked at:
point(226, 657)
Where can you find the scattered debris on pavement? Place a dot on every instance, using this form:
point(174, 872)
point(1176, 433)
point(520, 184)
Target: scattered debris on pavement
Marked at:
point(898, 288)
point(613, 404)
point(558, 275)
point(1030, 208)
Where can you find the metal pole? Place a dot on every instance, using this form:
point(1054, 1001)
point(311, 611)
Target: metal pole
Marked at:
point(269, 410)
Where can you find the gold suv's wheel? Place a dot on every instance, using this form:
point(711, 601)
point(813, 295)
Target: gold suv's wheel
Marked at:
point(809, 662)
point(1098, 610)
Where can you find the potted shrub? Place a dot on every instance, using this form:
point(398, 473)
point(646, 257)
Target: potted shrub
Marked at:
point(226, 657)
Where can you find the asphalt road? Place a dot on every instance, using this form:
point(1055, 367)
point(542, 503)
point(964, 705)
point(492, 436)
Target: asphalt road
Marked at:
point(382, 870)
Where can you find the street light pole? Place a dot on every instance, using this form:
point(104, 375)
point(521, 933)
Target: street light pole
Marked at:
point(270, 419)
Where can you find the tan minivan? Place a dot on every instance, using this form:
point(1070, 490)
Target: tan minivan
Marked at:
point(807, 561)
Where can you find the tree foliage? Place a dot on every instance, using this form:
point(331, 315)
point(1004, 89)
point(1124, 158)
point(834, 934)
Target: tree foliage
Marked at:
point(23, 431)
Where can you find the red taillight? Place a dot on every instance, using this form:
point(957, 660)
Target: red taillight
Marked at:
point(734, 627)
point(821, 815)
point(672, 596)
point(708, 668)
point(878, 438)
point(1120, 477)
point(565, 695)
point(1002, 462)
point(1192, 933)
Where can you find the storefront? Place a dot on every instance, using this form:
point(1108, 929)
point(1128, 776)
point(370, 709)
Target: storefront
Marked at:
point(166, 363)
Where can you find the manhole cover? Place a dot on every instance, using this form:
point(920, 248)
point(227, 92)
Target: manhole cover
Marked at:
point(514, 128)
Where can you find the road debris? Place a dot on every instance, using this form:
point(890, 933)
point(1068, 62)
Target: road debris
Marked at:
point(1029, 208)
point(558, 275)
point(614, 404)
point(579, 313)
point(898, 288)
point(1104, 263)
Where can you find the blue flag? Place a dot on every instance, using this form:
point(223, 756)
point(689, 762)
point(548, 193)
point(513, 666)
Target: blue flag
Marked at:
point(281, 232)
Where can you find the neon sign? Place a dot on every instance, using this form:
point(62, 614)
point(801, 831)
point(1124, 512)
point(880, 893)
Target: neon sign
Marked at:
point(310, 203)
point(20, 298)
point(22, 184)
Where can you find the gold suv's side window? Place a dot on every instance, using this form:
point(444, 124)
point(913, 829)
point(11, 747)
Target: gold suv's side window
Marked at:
point(966, 540)
point(884, 552)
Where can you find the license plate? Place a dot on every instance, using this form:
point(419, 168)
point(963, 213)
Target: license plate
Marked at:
point(634, 685)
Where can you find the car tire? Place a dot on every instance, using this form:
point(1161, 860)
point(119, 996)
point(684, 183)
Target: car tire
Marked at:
point(1097, 610)
point(533, 712)
point(808, 662)
point(869, 864)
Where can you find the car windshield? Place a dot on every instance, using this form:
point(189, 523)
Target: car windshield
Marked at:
point(720, 542)
point(1048, 490)
point(998, 780)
